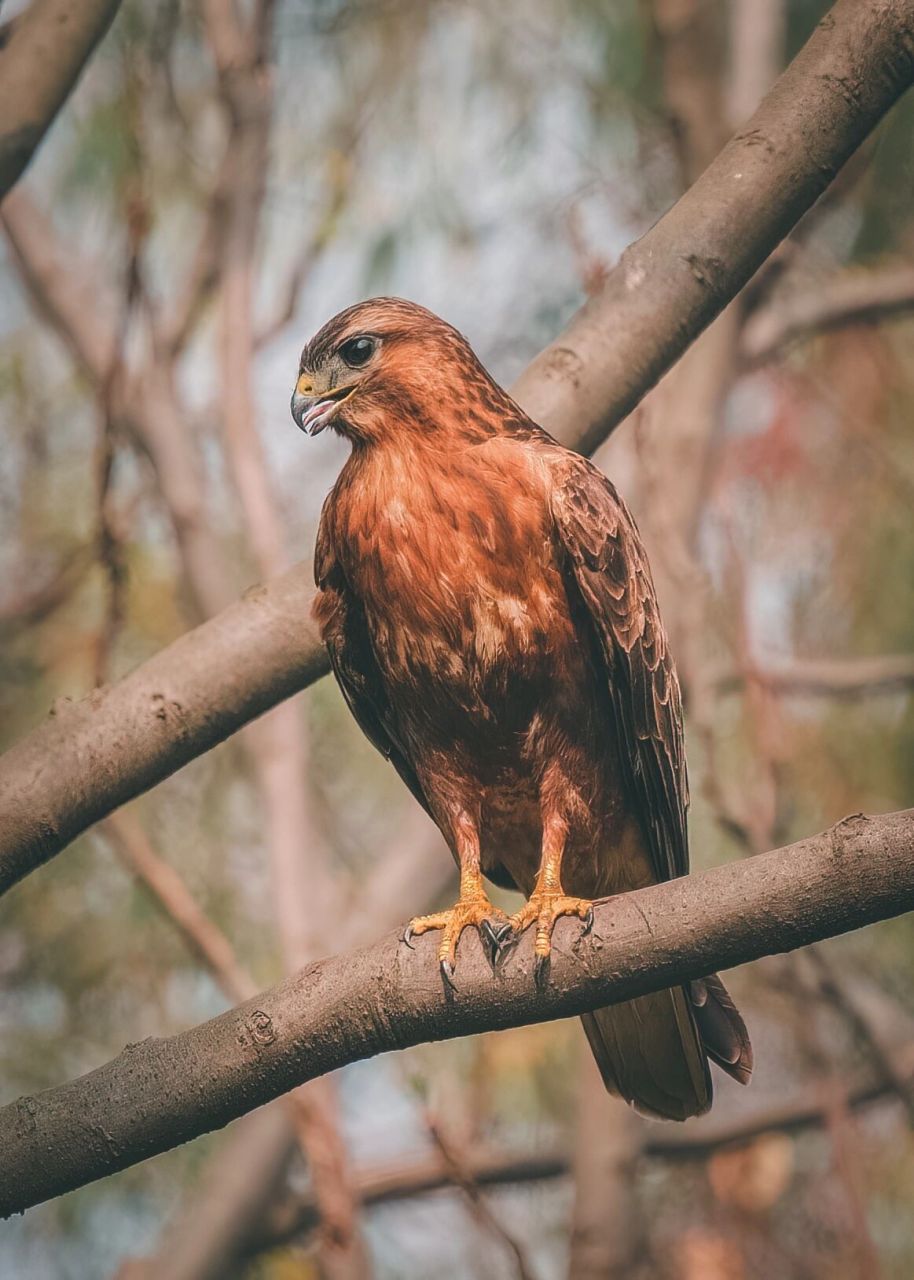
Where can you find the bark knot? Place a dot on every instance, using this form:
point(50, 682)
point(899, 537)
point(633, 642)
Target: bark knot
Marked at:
point(260, 1025)
point(709, 272)
point(564, 363)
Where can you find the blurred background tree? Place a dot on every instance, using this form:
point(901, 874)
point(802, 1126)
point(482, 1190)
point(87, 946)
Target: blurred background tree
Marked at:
point(219, 186)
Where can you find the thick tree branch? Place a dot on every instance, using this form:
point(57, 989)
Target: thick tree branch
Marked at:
point(40, 62)
point(666, 289)
point(160, 1093)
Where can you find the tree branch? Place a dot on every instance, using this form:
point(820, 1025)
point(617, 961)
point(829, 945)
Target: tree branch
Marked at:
point(40, 62)
point(160, 1093)
point(667, 287)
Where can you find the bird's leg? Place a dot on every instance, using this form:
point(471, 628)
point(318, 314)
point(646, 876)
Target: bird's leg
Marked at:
point(548, 901)
point(472, 908)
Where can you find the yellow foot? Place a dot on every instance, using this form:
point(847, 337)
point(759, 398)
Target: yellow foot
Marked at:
point(545, 907)
point(479, 911)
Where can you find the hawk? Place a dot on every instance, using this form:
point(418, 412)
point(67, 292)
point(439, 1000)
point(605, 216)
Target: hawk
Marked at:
point(489, 613)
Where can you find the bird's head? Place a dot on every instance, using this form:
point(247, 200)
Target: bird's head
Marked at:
point(385, 369)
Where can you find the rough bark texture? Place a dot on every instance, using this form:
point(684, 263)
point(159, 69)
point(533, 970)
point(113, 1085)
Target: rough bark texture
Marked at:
point(98, 753)
point(40, 62)
point(160, 1093)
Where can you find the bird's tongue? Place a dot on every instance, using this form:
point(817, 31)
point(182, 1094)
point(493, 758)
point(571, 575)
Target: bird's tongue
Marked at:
point(312, 421)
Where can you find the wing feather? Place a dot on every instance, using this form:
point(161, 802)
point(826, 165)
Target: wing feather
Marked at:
point(608, 568)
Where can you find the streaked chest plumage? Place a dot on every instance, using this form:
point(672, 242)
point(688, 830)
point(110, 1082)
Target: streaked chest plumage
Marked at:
point(454, 568)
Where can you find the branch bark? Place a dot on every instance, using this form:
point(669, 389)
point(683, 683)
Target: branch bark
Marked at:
point(666, 289)
point(40, 62)
point(160, 1093)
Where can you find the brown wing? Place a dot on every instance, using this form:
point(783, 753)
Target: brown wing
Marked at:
point(607, 566)
point(348, 643)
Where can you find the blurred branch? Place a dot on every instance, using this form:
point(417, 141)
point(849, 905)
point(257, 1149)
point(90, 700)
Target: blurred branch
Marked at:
point(42, 54)
point(85, 317)
point(667, 288)
point(202, 275)
point(690, 36)
point(671, 283)
point(294, 1216)
point(313, 1108)
point(824, 677)
point(852, 297)
point(857, 1012)
point(236, 1192)
point(757, 37)
point(339, 180)
point(607, 1231)
point(160, 1093)
point(34, 603)
point(225, 1218)
point(460, 1175)
point(69, 300)
point(202, 937)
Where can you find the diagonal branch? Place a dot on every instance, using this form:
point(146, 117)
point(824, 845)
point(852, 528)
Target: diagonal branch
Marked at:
point(666, 289)
point(40, 61)
point(160, 1093)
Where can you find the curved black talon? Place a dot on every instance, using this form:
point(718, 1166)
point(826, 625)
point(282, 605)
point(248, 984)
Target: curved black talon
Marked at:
point(541, 972)
point(505, 938)
point(408, 937)
point(447, 973)
point(488, 935)
point(588, 922)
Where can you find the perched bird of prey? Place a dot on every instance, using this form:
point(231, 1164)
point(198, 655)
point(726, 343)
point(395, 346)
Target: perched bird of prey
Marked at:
point(489, 613)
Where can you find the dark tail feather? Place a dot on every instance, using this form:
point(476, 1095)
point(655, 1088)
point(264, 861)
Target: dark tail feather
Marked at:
point(654, 1051)
point(722, 1030)
point(649, 1053)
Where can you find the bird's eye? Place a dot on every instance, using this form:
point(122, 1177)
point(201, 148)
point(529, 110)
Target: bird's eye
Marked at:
point(357, 351)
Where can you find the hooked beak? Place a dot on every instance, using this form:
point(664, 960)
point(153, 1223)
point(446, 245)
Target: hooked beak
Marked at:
point(314, 412)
